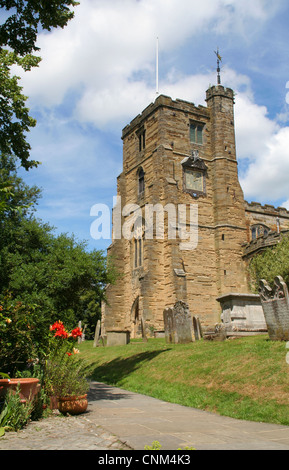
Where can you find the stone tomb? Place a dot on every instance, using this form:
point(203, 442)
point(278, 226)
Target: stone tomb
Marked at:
point(242, 313)
point(178, 323)
point(275, 303)
point(117, 338)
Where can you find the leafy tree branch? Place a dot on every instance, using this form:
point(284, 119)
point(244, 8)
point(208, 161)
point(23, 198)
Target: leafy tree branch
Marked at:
point(26, 17)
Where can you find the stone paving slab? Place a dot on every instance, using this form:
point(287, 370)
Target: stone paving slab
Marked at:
point(120, 420)
point(138, 420)
point(62, 433)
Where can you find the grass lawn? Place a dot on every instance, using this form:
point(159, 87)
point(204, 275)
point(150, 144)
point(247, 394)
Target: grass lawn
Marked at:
point(246, 378)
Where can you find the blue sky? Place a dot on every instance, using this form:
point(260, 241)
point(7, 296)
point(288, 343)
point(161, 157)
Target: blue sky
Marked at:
point(98, 73)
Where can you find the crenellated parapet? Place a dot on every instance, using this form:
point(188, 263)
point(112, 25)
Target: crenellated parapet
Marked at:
point(266, 209)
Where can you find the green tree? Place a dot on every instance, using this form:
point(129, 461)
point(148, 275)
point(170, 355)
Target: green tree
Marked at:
point(24, 18)
point(16, 197)
point(271, 263)
point(18, 35)
point(15, 121)
point(56, 273)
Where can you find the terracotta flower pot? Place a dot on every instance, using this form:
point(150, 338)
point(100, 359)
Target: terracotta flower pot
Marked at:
point(28, 387)
point(73, 405)
point(53, 402)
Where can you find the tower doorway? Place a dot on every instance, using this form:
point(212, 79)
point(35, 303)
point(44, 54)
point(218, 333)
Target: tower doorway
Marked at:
point(135, 319)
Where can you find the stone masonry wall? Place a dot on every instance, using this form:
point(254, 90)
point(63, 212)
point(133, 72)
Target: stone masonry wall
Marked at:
point(167, 273)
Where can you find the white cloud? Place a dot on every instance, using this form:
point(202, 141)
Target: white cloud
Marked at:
point(106, 107)
point(254, 129)
point(109, 41)
point(268, 174)
point(245, 17)
point(101, 67)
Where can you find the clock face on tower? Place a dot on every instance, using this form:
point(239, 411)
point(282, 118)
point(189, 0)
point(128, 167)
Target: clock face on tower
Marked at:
point(194, 180)
point(194, 175)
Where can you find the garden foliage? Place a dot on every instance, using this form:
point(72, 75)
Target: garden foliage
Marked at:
point(271, 263)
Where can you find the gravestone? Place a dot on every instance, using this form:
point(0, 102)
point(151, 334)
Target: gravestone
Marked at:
point(275, 303)
point(96, 334)
point(82, 337)
point(178, 323)
point(143, 331)
point(197, 328)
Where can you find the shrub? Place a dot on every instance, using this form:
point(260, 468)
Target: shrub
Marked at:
point(24, 335)
point(14, 414)
point(271, 263)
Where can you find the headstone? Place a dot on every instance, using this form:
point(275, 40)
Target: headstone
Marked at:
point(275, 303)
point(197, 328)
point(178, 323)
point(143, 331)
point(96, 334)
point(79, 340)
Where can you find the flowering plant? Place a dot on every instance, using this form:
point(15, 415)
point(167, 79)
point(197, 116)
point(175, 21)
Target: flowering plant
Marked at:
point(67, 339)
point(61, 332)
point(65, 374)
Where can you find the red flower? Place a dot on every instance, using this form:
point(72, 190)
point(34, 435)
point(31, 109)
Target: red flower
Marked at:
point(76, 332)
point(58, 325)
point(60, 330)
point(69, 354)
point(61, 334)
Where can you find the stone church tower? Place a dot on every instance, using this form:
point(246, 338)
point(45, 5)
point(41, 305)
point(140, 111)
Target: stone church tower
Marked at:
point(182, 214)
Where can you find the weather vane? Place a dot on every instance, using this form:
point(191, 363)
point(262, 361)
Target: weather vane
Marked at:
point(219, 59)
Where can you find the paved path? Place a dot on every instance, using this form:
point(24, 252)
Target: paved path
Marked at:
point(117, 419)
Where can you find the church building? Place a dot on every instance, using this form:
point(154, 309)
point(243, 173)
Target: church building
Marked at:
point(189, 231)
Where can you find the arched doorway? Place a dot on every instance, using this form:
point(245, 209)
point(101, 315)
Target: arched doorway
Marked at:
point(135, 318)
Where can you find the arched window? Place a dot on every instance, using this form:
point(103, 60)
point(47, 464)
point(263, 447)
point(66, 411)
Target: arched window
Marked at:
point(141, 134)
point(138, 240)
point(259, 230)
point(196, 132)
point(141, 181)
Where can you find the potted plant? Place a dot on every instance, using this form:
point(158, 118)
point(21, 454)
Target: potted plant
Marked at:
point(65, 373)
point(23, 339)
point(28, 386)
point(66, 379)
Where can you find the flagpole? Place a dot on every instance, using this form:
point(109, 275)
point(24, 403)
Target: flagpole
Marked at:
point(218, 72)
point(218, 66)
